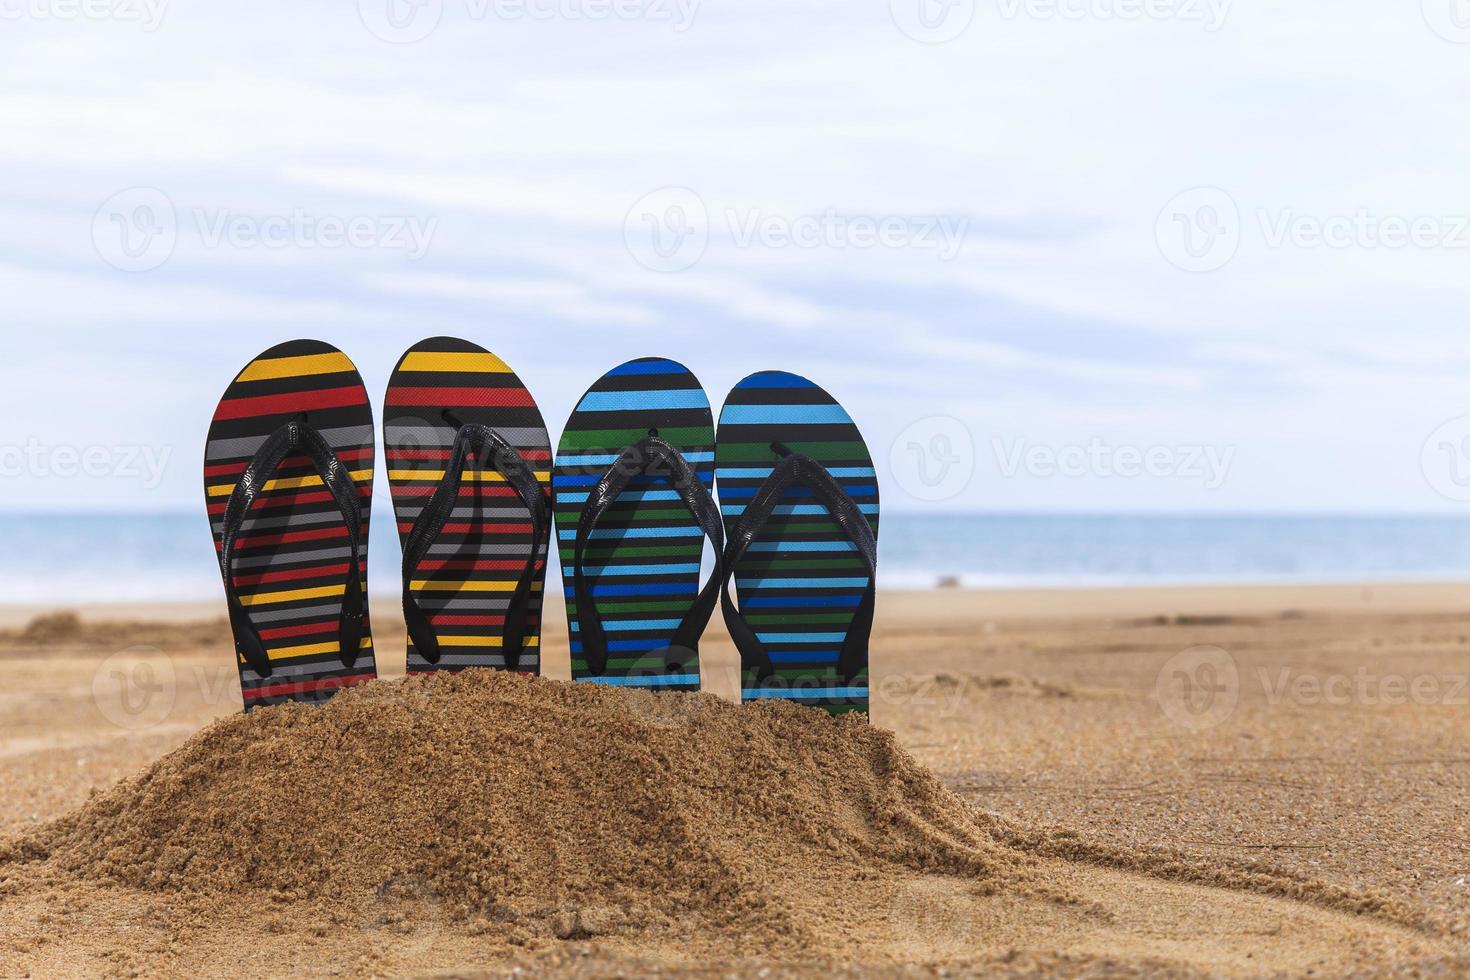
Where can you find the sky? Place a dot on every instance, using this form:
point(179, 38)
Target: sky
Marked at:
point(1125, 256)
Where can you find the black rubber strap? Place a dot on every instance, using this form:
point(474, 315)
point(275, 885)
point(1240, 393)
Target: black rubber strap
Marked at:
point(653, 456)
point(795, 469)
point(291, 438)
point(477, 443)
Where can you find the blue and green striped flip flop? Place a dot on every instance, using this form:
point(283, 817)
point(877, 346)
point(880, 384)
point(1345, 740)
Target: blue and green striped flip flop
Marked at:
point(799, 496)
point(634, 504)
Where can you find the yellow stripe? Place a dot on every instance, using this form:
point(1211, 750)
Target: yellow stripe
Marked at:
point(485, 476)
point(423, 360)
point(266, 598)
point(482, 641)
point(295, 367)
point(424, 585)
point(309, 649)
point(288, 483)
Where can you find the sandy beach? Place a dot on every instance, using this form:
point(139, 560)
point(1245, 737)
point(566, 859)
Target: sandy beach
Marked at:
point(1223, 781)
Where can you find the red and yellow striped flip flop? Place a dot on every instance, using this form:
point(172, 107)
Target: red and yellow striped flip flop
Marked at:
point(469, 464)
point(288, 485)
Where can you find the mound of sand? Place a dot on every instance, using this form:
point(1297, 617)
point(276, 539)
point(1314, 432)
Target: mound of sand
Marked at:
point(528, 799)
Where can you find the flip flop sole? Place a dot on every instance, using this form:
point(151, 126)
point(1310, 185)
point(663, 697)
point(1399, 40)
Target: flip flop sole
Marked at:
point(292, 557)
point(467, 582)
point(801, 579)
point(645, 553)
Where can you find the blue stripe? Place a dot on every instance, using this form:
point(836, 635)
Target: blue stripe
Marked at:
point(654, 365)
point(626, 646)
point(783, 414)
point(775, 379)
point(616, 625)
point(761, 693)
point(652, 588)
point(801, 637)
point(853, 490)
point(805, 656)
point(796, 510)
point(601, 570)
point(667, 680)
point(663, 531)
point(628, 495)
point(802, 583)
point(799, 601)
point(623, 401)
point(607, 459)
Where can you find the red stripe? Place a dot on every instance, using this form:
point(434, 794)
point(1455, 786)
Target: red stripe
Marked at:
point(290, 537)
point(294, 574)
point(411, 455)
point(406, 526)
point(485, 490)
point(471, 565)
point(303, 629)
point(290, 402)
point(468, 397)
point(298, 687)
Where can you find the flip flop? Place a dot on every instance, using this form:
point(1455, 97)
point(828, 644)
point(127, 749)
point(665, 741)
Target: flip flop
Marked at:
point(288, 484)
point(799, 495)
point(633, 478)
point(469, 465)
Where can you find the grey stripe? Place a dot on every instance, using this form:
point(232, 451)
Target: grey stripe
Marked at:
point(364, 660)
point(270, 561)
point(414, 434)
point(304, 613)
point(451, 601)
point(243, 446)
point(269, 523)
point(484, 549)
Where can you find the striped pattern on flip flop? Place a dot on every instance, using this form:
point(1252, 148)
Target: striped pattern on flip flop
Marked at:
point(801, 580)
point(645, 553)
point(292, 557)
point(467, 582)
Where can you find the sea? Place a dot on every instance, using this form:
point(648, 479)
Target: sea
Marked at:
point(84, 558)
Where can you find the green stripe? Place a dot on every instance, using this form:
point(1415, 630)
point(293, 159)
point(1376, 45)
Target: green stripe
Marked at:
point(747, 452)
